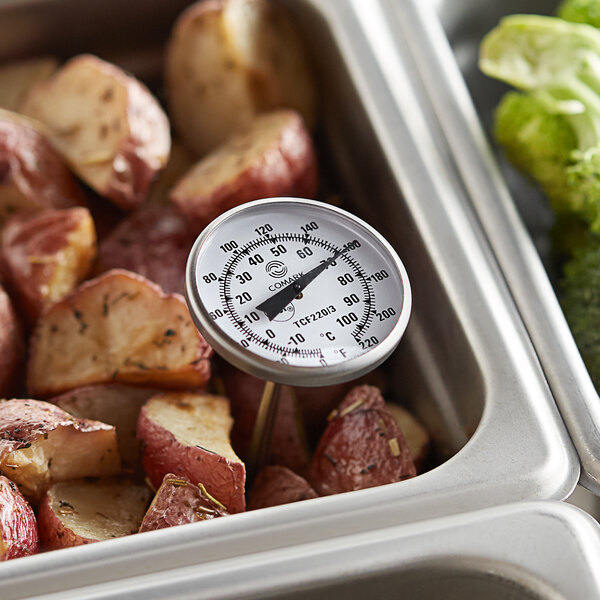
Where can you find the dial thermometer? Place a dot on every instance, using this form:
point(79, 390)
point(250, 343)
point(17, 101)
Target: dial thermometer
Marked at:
point(296, 292)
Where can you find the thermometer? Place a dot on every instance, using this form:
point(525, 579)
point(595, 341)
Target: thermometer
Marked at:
point(296, 292)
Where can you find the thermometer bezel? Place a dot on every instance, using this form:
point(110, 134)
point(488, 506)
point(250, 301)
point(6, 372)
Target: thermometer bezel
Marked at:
point(296, 375)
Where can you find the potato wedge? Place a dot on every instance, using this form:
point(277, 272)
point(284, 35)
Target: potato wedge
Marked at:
point(33, 176)
point(288, 444)
point(12, 348)
point(178, 502)
point(416, 436)
point(46, 255)
point(154, 242)
point(274, 156)
point(229, 60)
point(276, 485)
point(41, 444)
point(19, 76)
point(106, 124)
point(81, 511)
point(188, 435)
point(18, 525)
point(117, 328)
point(115, 404)
point(362, 447)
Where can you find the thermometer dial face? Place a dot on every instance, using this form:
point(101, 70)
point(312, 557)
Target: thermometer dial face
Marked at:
point(297, 291)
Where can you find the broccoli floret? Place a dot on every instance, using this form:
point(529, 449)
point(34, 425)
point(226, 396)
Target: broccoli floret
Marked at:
point(580, 11)
point(581, 303)
point(536, 142)
point(558, 65)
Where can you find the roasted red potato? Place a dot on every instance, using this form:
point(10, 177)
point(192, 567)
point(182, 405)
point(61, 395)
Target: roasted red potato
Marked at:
point(188, 435)
point(276, 485)
point(178, 502)
point(154, 242)
point(416, 436)
point(18, 77)
point(316, 403)
point(106, 124)
point(115, 404)
point(83, 511)
point(41, 444)
point(362, 447)
point(274, 156)
point(229, 60)
point(288, 444)
point(46, 255)
point(33, 176)
point(119, 327)
point(12, 347)
point(18, 526)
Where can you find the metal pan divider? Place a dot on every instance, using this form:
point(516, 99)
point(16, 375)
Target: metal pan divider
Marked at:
point(522, 268)
point(523, 551)
point(435, 189)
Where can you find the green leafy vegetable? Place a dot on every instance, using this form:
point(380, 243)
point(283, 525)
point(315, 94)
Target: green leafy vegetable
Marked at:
point(553, 131)
point(538, 143)
point(581, 11)
point(581, 303)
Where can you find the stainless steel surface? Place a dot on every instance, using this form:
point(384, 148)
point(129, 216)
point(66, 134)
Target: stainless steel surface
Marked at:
point(465, 23)
point(586, 500)
point(465, 366)
point(526, 551)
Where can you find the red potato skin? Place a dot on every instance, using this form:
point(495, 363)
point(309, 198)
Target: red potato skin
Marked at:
point(140, 152)
point(287, 168)
point(288, 446)
point(43, 234)
point(276, 485)
point(354, 452)
point(23, 421)
point(127, 189)
point(154, 242)
point(317, 403)
point(178, 502)
point(163, 454)
point(30, 163)
point(53, 533)
point(12, 348)
point(416, 436)
point(18, 525)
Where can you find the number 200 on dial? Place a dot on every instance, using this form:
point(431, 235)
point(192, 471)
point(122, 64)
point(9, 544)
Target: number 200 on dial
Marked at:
point(297, 291)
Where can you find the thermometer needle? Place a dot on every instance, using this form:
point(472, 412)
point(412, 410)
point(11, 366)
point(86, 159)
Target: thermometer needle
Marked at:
point(276, 303)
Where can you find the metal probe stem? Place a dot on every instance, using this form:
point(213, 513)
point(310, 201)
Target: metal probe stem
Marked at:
point(263, 427)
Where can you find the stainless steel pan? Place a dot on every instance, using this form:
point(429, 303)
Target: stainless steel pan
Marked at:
point(466, 365)
point(526, 551)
